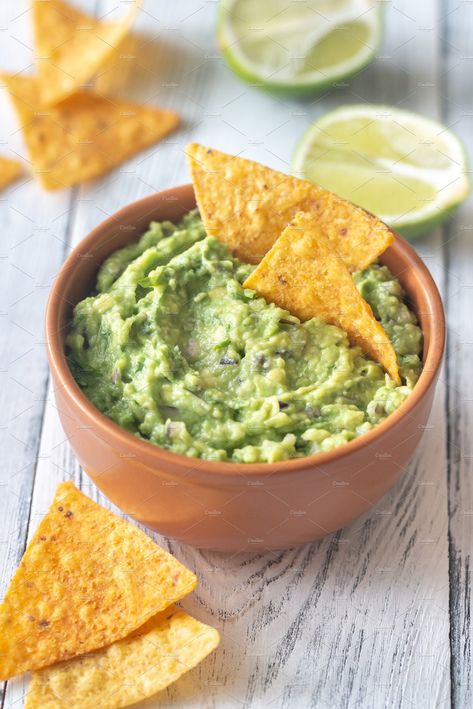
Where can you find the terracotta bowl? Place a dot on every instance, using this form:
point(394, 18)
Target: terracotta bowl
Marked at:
point(231, 506)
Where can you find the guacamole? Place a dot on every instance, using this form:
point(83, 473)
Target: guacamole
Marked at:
point(176, 351)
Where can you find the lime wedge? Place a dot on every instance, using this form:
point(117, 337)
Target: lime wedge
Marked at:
point(298, 47)
point(404, 168)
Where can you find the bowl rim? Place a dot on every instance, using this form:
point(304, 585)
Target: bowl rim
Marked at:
point(142, 448)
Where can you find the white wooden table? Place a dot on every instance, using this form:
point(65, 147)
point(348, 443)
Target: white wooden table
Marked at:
point(379, 614)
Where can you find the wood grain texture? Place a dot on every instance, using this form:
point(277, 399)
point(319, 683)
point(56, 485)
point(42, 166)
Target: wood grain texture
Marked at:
point(457, 103)
point(360, 619)
point(35, 231)
point(33, 246)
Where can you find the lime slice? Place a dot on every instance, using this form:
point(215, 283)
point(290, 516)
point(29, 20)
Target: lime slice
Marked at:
point(408, 170)
point(298, 47)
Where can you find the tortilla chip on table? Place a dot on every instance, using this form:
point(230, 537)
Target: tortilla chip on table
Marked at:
point(87, 579)
point(86, 135)
point(10, 170)
point(71, 46)
point(247, 205)
point(303, 274)
point(167, 646)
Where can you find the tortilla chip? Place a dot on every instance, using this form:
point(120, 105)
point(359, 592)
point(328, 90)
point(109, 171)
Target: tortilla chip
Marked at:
point(10, 170)
point(71, 46)
point(128, 671)
point(87, 578)
point(121, 69)
point(84, 136)
point(303, 275)
point(247, 205)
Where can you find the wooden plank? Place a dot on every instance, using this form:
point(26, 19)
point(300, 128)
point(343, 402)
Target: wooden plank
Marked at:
point(457, 110)
point(360, 618)
point(32, 248)
point(34, 233)
point(35, 230)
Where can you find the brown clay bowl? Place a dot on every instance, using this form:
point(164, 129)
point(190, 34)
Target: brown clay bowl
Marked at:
point(230, 506)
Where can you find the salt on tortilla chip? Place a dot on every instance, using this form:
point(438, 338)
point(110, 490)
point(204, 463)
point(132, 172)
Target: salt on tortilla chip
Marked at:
point(87, 579)
point(247, 205)
point(304, 275)
point(168, 645)
point(86, 135)
point(71, 46)
point(10, 170)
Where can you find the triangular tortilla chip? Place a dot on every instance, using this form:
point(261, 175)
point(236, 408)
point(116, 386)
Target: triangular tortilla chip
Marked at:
point(128, 671)
point(84, 136)
point(247, 205)
point(10, 170)
point(71, 46)
point(87, 578)
point(302, 274)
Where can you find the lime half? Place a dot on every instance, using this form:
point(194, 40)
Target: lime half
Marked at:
point(298, 47)
point(408, 170)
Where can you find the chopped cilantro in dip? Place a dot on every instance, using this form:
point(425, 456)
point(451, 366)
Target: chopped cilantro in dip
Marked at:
point(176, 351)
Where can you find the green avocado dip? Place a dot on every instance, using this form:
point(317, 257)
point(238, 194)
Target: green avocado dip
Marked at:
point(174, 349)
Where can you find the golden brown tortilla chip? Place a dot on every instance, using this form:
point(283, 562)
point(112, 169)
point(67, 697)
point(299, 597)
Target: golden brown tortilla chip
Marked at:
point(247, 205)
point(10, 170)
point(121, 69)
point(87, 579)
point(168, 645)
point(84, 136)
point(302, 274)
point(71, 46)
